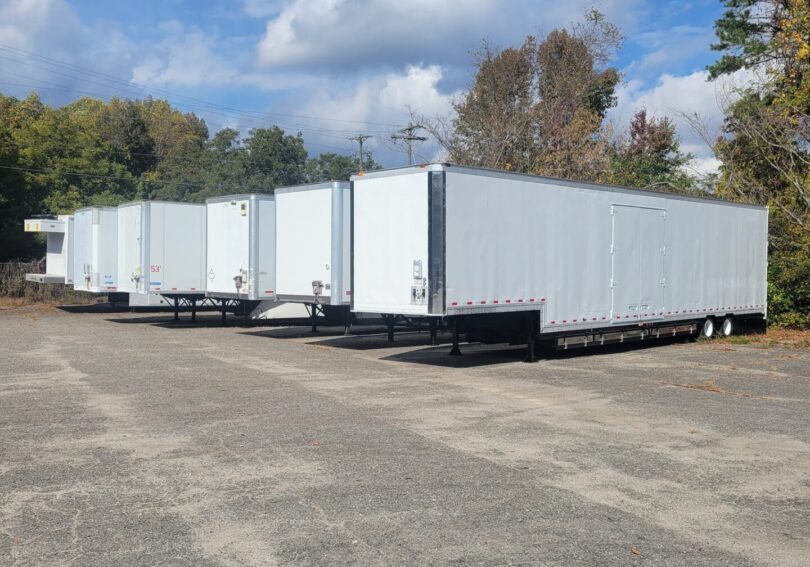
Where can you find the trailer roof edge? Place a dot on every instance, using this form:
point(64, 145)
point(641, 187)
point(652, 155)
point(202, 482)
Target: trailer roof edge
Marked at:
point(239, 197)
point(483, 171)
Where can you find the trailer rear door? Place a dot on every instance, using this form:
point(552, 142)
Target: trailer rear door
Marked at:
point(390, 237)
point(637, 249)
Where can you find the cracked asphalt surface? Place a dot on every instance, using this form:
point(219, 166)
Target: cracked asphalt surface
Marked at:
point(128, 439)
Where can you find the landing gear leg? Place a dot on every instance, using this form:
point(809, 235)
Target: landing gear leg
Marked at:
point(390, 321)
point(531, 338)
point(434, 332)
point(224, 312)
point(176, 308)
point(347, 322)
point(455, 351)
point(193, 310)
point(313, 310)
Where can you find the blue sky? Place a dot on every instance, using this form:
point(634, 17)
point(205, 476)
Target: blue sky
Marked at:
point(331, 68)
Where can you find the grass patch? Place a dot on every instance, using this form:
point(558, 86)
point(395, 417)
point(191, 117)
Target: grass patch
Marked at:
point(774, 337)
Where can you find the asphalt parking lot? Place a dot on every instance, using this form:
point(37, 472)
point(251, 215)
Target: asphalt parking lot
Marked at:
point(130, 440)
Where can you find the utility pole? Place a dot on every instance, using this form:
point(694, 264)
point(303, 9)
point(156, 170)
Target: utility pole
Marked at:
point(407, 134)
point(360, 138)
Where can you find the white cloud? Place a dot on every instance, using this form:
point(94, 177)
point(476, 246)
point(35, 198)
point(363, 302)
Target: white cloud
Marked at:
point(377, 104)
point(352, 33)
point(184, 57)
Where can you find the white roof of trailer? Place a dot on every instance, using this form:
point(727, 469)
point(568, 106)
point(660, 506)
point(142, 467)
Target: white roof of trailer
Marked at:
point(485, 172)
point(240, 197)
point(311, 186)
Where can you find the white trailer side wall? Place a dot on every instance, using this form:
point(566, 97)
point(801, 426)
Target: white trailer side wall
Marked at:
point(67, 248)
point(263, 260)
point(96, 250)
point(593, 255)
point(176, 261)
point(390, 243)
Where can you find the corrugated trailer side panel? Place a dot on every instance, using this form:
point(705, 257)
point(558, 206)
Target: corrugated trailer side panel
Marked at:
point(390, 243)
point(263, 249)
point(594, 256)
point(345, 248)
point(68, 247)
point(177, 247)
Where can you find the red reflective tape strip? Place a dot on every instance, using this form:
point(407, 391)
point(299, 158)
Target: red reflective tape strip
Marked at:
point(174, 289)
point(520, 301)
point(349, 292)
point(454, 303)
point(268, 291)
point(552, 322)
point(193, 289)
point(508, 301)
point(532, 299)
point(482, 302)
point(542, 299)
point(469, 303)
point(565, 320)
point(496, 301)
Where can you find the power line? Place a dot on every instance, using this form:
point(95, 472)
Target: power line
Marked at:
point(407, 134)
point(360, 138)
point(111, 78)
point(329, 133)
point(96, 176)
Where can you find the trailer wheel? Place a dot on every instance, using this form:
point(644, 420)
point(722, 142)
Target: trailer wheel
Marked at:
point(727, 328)
point(707, 331)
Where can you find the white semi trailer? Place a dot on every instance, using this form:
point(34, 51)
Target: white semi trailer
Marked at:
point(500, 255)
point(161, 253)
point(241, 251)
point(58, 248)
point(313, 254)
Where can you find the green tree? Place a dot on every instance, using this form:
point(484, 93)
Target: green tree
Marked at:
point(651, 158)
point(764, 147)
point(273, 159)
point(330, 166)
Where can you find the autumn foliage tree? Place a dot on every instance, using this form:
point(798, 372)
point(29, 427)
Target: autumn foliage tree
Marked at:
point(541, 108)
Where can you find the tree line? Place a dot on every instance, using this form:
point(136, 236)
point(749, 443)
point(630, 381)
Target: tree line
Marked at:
point(92, 152)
